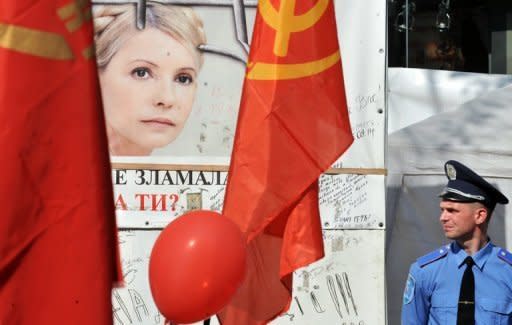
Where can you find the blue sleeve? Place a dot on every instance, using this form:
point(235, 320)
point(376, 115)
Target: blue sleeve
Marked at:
point(416, 300)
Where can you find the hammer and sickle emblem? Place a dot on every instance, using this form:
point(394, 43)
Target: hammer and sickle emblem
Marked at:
point(34, 42)
point(45, 44)
point(285, 22)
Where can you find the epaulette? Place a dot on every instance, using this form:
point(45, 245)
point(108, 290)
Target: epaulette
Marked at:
point(433, 256)
point(505, 255)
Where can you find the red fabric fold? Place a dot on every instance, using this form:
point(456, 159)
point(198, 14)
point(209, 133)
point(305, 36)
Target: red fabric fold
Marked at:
point(293, 124)
point(58, 238)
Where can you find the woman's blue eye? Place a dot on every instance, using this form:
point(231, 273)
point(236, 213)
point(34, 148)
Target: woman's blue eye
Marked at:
point(141, 73)
point(184, 79)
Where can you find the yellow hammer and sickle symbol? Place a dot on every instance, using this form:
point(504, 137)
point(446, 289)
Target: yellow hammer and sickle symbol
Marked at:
point(34, 42)
point(285, 22)
point(47, 44)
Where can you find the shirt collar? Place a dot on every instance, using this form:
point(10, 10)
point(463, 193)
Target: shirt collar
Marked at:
point(479, 257)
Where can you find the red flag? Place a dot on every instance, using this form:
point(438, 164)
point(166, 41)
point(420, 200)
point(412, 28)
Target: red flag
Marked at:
point(58, 246)
point(293, 124)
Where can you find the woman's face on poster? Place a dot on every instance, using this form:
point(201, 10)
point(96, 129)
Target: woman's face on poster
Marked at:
point(148, 90)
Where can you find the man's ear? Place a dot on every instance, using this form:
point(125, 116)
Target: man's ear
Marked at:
point(481, 215)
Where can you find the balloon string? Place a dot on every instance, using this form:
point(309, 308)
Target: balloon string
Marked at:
point(168, 322)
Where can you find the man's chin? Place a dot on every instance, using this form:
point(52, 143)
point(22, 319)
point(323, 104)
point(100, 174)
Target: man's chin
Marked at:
point(450, 235)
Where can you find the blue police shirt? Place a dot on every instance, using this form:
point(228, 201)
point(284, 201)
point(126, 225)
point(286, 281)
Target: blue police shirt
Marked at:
point(432, 290)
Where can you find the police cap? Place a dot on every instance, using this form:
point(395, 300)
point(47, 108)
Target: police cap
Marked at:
point(464, 185)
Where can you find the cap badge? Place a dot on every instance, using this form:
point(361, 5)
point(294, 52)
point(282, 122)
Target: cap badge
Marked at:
point(451, 172)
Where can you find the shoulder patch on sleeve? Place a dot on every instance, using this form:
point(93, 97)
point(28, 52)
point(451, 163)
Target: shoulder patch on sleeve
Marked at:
point(433, 256)
point(409, 289)
point(505, 255)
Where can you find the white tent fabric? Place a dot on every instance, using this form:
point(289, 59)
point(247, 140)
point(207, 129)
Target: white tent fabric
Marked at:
point(416, 94)
point(479, 134)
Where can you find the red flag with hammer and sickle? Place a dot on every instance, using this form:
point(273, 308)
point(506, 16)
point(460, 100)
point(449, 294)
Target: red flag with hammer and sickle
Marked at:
point(293, 124)
point(58, 246)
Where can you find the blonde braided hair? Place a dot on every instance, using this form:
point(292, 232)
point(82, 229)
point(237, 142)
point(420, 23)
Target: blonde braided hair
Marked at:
point(114, 24)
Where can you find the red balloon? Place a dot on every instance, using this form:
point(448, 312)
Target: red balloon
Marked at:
point(196, 265)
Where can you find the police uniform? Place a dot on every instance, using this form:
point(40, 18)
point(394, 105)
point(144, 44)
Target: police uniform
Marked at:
point(431, 294)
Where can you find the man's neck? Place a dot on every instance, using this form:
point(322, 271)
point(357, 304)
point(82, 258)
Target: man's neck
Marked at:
point(474, 244)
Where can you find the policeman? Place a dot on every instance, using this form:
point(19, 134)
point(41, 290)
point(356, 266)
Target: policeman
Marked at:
point(470, 280)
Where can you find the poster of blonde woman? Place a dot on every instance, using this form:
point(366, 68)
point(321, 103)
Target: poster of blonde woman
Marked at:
point(171, 76)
